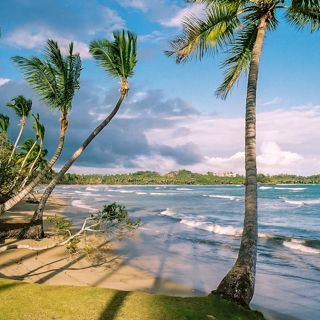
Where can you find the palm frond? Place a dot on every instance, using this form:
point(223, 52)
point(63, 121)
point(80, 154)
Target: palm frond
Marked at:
point(21, 106)
point(55, 78)
point(117, 57)
point(239, 59)
point(199, 36)
point(302, 14)
point(4, 122)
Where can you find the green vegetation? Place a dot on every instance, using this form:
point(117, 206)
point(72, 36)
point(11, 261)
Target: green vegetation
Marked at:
point(23, 301)
point(182, 177)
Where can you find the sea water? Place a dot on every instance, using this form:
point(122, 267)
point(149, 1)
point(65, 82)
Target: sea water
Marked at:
point(191, 234)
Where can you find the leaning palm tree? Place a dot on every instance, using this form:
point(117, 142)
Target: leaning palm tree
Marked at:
point(239, 28)
point(4, 123)
point(22, 108)
point(118, 58)
point(55, 79)
point(40, 132)
point(36, 126)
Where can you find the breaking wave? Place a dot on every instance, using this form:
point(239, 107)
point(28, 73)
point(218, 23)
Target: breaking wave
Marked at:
point(300, 245)
point(82, 205)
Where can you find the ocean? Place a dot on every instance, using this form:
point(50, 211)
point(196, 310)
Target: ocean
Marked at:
point(191, 234)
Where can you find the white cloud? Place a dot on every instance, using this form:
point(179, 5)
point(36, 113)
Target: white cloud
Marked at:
point(137, 4)
point(285, 139)
point(3, 81)
point(195, 10)
point(33, 37)
point(274, 101)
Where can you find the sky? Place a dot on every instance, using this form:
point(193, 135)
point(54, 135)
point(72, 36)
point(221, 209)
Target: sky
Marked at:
point(171, 118)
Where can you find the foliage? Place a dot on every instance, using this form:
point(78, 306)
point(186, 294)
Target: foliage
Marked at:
point(117, 57)
point(55, 78)
point(21, 106)
point(8, 171)
point(182, 177)
point(231, 26)
point(111, 220)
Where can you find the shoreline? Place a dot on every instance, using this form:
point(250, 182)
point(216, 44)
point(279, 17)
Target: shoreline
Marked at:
point(57, 267)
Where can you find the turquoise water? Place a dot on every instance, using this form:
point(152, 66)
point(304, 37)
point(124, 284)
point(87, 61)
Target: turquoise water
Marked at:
point(190, 234)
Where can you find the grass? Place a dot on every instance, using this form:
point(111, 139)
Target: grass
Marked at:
point(19, 300)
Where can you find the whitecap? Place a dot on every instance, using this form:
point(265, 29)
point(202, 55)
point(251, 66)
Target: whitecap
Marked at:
point(159, 193)
point(233, 198)
point(265, 188)
point(92, 189)
point(169, 212)
point(291, 189)
point(82, 205)
point(141, 193)
point(183, 189)
point(125, 191)
point(299, 245)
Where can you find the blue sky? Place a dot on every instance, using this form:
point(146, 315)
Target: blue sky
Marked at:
point(288, 82)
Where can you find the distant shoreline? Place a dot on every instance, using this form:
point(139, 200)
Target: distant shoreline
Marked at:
point(182, 178)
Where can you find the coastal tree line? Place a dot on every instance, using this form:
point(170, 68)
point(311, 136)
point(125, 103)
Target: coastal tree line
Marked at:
point(236, 28)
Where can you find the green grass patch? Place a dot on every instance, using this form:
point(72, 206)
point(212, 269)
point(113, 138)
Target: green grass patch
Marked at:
point(19, 300)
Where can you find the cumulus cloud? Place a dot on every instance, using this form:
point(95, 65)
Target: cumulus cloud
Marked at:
point(59, 21)
point(165, 12)
point(154, 132)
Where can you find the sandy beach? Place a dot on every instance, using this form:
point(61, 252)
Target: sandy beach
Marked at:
point(58, 267)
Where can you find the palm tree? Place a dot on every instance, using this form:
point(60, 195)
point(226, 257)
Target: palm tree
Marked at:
point(55, 79)
point(4, 123)
point(118, 58)
point(40, 132)
point(22, 108)
point(36, 127)
point(239, 27)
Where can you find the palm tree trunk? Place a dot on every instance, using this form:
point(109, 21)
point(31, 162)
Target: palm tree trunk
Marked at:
point(22, 124)
point(21, 194)
point(27, 156)
point(36, 228)
point(32, 166)
point(238, 284)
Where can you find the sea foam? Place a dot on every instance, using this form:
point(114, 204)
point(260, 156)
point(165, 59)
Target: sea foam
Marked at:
point(299, 245)
point(82, 205)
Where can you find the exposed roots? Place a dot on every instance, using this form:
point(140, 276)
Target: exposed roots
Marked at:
point(32, 230)
point(237, 286)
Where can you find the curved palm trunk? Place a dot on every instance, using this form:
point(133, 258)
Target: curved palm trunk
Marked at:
point(238, 284)
point(32, 166)
point(21, 194)
point(22, 124)
point(27, 156)
point(36, 228)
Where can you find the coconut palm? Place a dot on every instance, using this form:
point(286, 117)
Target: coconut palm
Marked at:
point(22, 108)
point(239, 28)
point(40, 132)
point(118, 58)
point(56, 79)
point(36, 126)
point(4, 123)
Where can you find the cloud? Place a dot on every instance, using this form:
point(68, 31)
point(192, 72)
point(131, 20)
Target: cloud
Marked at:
point(193, 11)
point(274, 101)
point(165, 12)
point(3, 81)
point(35, 38)
point(60, 21)
point(154, 132)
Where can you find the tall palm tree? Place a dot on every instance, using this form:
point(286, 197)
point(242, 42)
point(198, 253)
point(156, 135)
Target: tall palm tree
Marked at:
point(22, 108)
point(239, 28)
point(118, 58)
point(56, 79)
point(4, 123)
